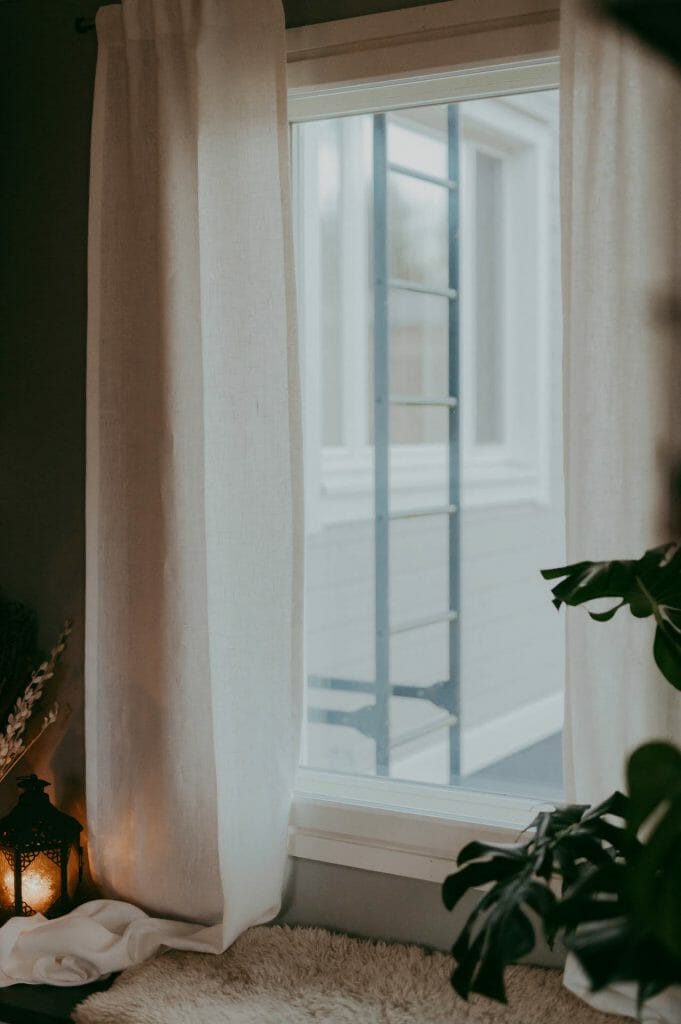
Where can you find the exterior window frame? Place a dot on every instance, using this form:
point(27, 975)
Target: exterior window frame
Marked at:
point(514, 471)
point(386, 62)
point(517, 470)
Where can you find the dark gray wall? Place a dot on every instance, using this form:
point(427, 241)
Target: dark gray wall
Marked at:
point(46, 80)
point(380, 906)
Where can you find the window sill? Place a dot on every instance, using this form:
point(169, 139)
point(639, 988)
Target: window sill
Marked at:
point(397, 828)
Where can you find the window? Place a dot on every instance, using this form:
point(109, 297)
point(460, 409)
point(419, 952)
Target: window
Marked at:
point(427, 242)
point(391, 62)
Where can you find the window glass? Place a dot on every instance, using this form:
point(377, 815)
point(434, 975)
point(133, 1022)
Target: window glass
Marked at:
point(433, 653)
point(418, 231)
point(419, 362)
point(417, 139)
point(329, 157)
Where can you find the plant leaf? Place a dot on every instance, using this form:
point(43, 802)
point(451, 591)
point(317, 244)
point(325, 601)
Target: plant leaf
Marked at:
point(606, 616)
point(601, 948)
point(586, 847)
point(617, 804)
point(653, 775)
point(650, 586)
point(667, 654)
point(472, 875)
point(653, 886)
point(475, 849)
point(467, 962)
point(615, 951)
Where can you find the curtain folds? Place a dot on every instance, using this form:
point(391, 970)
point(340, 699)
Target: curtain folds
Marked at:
point(621, 220)
point(194, 515)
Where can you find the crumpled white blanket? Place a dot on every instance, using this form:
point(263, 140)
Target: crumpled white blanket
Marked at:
point(91, 942)
point(620, 997)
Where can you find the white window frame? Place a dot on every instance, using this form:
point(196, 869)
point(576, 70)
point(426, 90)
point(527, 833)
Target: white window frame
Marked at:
point(475, 454)
point(518, 470)
point(429, 54)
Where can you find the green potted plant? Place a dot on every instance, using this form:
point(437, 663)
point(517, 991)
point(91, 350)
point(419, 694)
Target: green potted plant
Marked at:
point(603, 879)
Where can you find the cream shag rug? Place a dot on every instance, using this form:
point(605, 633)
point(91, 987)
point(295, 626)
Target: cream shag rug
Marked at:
point(279, 975)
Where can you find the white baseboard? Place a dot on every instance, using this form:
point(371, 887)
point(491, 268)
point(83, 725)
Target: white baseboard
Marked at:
point(501, 737)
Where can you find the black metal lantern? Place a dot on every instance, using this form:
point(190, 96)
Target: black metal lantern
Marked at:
point(41, 860)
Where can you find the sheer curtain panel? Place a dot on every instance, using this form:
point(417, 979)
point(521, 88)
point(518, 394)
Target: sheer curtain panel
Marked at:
point(621, 220)
point(193, 648)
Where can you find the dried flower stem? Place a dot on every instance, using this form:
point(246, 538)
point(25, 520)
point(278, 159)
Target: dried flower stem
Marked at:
point(48, 720)
point(12, 747)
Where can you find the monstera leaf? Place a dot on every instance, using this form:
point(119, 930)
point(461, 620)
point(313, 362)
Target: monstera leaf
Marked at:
point(619, 905)
point(500, 929)
point(649, 586)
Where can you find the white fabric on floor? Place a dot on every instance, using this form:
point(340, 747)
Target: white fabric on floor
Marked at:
point(95, 939)
point(621, 228)
point(194, 491)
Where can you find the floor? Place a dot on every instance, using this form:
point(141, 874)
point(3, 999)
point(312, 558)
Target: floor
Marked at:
point(44, 1004)
point(535, 771)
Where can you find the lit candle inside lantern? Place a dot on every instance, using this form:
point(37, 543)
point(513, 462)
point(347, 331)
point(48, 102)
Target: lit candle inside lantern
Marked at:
point(40, 884)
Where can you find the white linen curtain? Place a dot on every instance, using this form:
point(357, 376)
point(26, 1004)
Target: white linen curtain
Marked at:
point(194, 517)
point(621, 214)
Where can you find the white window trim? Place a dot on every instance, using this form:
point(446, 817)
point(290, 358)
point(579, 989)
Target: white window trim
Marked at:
point(378, 824)
point(519, 470)
point(398, 828)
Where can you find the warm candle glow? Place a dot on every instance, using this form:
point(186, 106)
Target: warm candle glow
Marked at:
point(40, 884)
point(6, 886)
